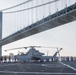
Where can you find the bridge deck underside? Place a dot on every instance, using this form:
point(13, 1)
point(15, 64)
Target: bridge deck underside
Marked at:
point(45, 25)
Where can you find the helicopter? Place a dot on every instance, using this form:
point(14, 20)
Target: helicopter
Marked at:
point(34, 55)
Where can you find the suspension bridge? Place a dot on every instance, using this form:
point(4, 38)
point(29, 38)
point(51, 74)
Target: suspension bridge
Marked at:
point(34, 16)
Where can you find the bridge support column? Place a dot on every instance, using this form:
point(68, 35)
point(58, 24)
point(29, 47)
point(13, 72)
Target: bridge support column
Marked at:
point(0, 32)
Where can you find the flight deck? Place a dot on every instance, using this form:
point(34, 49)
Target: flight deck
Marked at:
point(39, 68)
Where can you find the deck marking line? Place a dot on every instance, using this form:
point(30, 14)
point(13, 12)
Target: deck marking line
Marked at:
point(68, 66)
point(47, 73)
point(7, 65)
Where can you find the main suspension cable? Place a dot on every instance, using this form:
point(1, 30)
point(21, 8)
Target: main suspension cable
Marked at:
point(16, 5)
point(31, 7)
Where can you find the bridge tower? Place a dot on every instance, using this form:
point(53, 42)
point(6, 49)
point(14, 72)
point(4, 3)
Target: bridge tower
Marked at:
point(0, 31)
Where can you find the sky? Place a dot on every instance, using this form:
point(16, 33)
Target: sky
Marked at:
point(63, 36)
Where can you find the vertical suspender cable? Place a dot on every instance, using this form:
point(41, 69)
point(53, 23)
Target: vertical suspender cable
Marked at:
point(13, 26)
point(65, 2)
point(2, 28)
point(28, 14)
point(62, 4)
point(36, 11)
point(20, 20)
point(17, 18)
point(10, 29)
point(24, 15)
point(31, 12)
point(10, 25)
point(17, 14)
point(15, 22)
point(21, 17)
point(46, 10)
point(43, 9)
point(5, 25)
point(49, 8)
point(56, 7)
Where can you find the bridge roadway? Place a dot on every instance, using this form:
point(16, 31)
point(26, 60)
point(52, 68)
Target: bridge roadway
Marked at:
point(57, 19)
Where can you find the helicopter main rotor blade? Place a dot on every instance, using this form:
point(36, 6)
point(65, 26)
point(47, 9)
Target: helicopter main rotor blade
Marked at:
point(50, 47)
point(16, 48)
point(33, 47)
point(23, 47)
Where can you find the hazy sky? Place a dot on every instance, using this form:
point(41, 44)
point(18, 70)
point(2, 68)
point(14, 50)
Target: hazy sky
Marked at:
point(62, 36)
